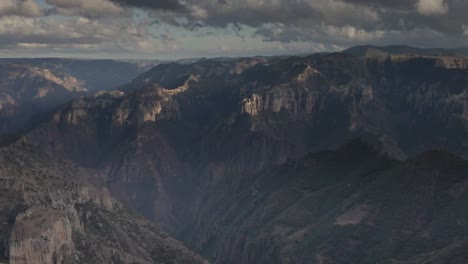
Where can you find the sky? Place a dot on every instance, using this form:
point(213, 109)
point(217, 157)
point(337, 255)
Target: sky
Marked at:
point(172, 29)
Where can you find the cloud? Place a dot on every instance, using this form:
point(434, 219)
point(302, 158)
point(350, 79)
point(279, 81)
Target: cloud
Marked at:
point(84, 34)
point(148, 26)
point(27, 8)
point(465, 29)
point(171, 5)
point(432, 7)
point(348, 22)
point(393, 4)
point(32, 45)
point(87, 8)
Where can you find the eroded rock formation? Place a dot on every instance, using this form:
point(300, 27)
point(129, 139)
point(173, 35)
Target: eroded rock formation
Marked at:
point(52, 211)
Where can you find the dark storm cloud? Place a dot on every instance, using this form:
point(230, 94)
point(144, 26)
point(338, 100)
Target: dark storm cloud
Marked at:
point(397, 4)
point(295, 20)
point(258, 13)
point(255, 14)
point(172, 5)
point(346, 21)
point(275, 20)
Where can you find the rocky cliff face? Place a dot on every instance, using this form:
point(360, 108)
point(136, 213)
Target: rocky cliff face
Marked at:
point(180, 141)
point(54, 212)
point(300, 95)
point(49, 242)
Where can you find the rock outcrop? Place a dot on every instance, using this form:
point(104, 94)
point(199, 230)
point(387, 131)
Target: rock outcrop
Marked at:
point(299, 96)
point(52, 211)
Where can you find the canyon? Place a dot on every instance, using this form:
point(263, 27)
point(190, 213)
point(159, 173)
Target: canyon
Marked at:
point(352, 157)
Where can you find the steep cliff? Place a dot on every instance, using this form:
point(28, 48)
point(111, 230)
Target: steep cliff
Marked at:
point(52, 211)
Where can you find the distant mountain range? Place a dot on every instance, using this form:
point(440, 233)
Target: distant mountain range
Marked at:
point(32, 87)
point(95, 75)
point(374, 51)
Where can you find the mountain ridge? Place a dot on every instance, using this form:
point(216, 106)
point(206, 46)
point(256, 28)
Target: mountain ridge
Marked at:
point(376, 51)
point(181, 142)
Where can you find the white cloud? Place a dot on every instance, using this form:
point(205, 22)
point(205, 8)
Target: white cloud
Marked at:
point(120, 35)
point(356, 34)
point(27, 8)
point(87, 8)
point(432, 7)
point(32, 45)
point(465, 29)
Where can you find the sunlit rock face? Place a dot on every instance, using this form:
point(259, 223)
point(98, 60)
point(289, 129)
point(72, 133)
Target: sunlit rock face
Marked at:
point(300, 95)
point(52, 211)
point(180, 142)
point(40, 236)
